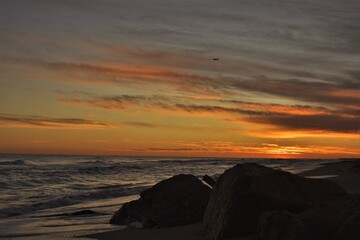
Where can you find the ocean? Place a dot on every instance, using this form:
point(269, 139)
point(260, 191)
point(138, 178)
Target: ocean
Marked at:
point(42, 196)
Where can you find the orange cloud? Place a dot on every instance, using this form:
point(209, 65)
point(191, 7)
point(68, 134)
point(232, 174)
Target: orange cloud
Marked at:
point(285, 109)
point(346, 93)
point(220, 148)
point(285, 117)
point(20, 121)
point(273, 132)
point(131, 75)
point(337, 92)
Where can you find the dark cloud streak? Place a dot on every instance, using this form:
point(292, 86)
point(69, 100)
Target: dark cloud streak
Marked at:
point(291, 117)
point(38, 121)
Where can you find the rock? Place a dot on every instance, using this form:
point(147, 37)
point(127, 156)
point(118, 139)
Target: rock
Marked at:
point(84, 212)
point(344, 173)
point(136, 225)
point(81, 213)
point(130, 212)
point(337, 219)
point(120, 216)
point(245, 191)
point(282, 225)
point(179, 200)
point(209, 180)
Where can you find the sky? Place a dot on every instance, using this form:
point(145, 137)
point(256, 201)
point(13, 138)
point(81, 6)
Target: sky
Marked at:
point(137, 78)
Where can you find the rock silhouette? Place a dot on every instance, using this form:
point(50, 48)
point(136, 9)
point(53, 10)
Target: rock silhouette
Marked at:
point(244, 192)
point(179, 200)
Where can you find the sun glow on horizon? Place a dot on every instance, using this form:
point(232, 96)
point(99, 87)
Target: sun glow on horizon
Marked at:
point(78, 80)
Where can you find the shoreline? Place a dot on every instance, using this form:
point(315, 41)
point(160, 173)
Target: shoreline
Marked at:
point(186, 232)
point(345, 173)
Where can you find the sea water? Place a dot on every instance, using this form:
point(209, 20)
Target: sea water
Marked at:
point(41, 196)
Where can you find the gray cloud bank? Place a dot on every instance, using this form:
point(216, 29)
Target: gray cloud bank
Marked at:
point(303, 51)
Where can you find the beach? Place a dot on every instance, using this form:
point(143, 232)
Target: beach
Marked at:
point(180, 120)
point(53, 192)
point(344, 173)
point(188, 232)
point(82, 192)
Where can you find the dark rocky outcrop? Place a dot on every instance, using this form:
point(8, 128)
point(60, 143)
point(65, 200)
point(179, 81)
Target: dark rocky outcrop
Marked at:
point(134, 211)
point(337, 219)
point(209, 180)
point(81, 213)
point(84, 212)
point(179, 200)
point(282, 225)
point(345, 173)
point(244, 192)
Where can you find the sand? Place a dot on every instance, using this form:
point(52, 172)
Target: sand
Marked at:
point(188, 232)
point(345, 173)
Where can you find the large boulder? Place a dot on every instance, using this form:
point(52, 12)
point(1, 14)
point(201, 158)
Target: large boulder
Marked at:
point(133, 212)
point(337, 219)
point(179, 200)
point(244, 192)
point(282, 225)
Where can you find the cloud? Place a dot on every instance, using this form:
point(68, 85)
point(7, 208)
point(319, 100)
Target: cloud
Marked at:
point(230, 148)
point(121, 75)
point(140, 124)
point(320, 92)
point(131, 75)
point(287, 117)
point(293, 118)
point(107, 102)
point(332, 123)
point(119, 102)
point(21, 121)
point(273, 73)
point(329, 91)
point(339, 89)
point(278, 108)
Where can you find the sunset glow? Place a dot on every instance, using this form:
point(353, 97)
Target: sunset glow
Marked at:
point(137, 78)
